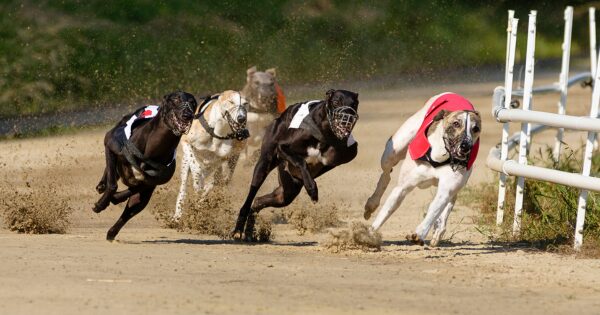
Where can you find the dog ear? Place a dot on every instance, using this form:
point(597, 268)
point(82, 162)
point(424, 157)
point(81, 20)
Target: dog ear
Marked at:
point(251, 71)
point(440, 115)
point(164, 100)
point(271, 72)
point(328, 95)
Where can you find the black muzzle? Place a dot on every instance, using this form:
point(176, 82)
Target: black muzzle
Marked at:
point(239, 130)
point(342, 120)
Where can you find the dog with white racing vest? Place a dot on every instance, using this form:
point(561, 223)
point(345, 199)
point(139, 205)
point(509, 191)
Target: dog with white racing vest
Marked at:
point(442, 141)
point(308, 140)
point(213, 145)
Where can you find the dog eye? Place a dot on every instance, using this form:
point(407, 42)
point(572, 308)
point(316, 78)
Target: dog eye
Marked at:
point(456, 124)
point(475, 129)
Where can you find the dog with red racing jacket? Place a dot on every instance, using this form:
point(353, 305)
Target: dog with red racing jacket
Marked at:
point(442, 140)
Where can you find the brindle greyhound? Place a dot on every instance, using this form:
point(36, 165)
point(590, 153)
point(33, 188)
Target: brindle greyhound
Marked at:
point(261, 93)
point(441, 141)
point(302, 149)
point(141, 152)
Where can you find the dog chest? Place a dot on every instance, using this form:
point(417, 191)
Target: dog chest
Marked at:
point(314, 156)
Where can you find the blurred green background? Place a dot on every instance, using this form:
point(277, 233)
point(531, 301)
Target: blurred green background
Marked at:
point(69, 54)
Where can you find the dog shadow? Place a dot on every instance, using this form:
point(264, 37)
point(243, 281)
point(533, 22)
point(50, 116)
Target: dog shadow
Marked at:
point(192, 241)
point(466, 248)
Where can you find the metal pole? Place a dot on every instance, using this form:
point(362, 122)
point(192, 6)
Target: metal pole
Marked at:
point(511, 43)
point(564, 76)
point(587, 162)
point(529, 66)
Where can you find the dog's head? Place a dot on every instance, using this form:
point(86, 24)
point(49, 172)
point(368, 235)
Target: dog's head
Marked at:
point(177, 110)
point(342, 111)
point(234, 108)
point(461, 131)
point(260, 89)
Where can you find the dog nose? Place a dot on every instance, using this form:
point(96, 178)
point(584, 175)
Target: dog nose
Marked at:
point(241, 119)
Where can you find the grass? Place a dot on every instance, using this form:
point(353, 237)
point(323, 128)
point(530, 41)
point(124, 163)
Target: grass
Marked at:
point(71, 54)
point(549, 210)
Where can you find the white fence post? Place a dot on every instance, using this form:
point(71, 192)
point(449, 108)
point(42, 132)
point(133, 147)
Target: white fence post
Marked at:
point(593, 48)
point(564, 77)
point(592, 12)
point(498, 156)
point(511, 43)
point(587, 162)
point(529, 72)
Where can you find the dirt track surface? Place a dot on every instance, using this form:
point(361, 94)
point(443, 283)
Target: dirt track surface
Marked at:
point(152, 270)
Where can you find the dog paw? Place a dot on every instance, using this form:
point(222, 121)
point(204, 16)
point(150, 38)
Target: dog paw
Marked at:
point(98, 207)
point(314, 194)
point(414, 238)
point(110, 236)
point(236, 235)
point(370, 207)
point(101, 188)
point(434, 242)
point(249, 238)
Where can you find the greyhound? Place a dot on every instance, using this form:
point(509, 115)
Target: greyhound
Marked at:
point(266, 101)
point(306, 141)
point(442, 139)
point(214, 143)
point(140, 150)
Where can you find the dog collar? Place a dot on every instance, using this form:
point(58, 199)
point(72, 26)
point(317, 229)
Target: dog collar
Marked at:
point(239, 134)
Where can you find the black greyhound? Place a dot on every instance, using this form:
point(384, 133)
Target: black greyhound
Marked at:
point(140, 150)
point(302, 153)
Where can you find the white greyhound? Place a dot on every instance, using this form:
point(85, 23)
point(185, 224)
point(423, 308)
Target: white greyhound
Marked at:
point(214, 143)
point(442, 139)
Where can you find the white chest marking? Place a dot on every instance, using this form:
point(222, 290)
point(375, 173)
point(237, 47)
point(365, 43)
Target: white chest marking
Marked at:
point(137, 174)
point(314, 156)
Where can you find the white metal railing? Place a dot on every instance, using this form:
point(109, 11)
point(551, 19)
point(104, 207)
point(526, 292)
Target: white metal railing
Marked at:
point(503, 112)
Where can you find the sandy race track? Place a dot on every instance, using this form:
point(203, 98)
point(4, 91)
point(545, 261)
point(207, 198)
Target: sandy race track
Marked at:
point(152, 270)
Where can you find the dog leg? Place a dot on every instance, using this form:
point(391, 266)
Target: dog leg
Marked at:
point(309, 183)
point(407, 181)
point(288, 190)
point(185, 171)
point(231, 165)
point(389, 159)
point(391, 204)
point(448, 187)
point(111, 181)
point(195, 168)
point(101, 187)
point(135, 204)
point(121, 196)
point(209, 172)
point(395, 151)
point(262, 169)
point(439, 227)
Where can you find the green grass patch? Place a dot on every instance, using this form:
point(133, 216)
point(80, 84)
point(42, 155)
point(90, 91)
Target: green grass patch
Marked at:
point(71, 54)
point(549, 211)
